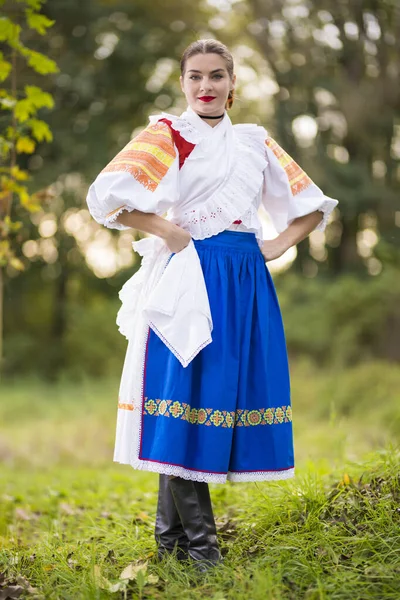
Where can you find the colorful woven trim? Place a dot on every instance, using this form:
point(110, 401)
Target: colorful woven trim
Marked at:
point(298, 179)
point(210, 416)
point(147, 157)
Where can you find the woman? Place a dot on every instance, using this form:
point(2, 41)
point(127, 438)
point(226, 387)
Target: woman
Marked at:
point(205, 392)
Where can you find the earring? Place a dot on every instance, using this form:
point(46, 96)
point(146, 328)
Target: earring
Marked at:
point(229, 101)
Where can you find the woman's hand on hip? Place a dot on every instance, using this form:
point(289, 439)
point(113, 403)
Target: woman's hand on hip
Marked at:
point(272, 249)
point(176, 238)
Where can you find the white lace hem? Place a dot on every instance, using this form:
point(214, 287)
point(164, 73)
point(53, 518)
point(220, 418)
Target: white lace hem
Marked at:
point(261, 475)
point(327, 209)
point(193, 475)
point(111, 221)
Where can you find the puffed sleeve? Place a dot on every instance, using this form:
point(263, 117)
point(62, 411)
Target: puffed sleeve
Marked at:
point(288, 192)
point(142, 176)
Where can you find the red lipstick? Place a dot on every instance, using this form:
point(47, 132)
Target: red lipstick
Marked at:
point(206, 98)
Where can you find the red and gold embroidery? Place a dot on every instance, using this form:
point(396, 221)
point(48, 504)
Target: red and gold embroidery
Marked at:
point(298, 179)
point(147, 157)
point(214, 417)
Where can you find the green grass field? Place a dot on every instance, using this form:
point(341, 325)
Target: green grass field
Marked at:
point(75, 525)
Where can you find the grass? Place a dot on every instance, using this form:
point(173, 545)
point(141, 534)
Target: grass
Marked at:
point(72, 522)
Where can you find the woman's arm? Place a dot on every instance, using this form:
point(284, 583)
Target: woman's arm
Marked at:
point(297, 231)
point(174, 236)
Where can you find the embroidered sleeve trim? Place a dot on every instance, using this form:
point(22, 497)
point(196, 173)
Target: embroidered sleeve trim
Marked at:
point(147, 157)
point(298, 179)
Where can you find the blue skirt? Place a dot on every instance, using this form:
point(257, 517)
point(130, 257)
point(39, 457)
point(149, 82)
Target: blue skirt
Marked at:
point(227, 415)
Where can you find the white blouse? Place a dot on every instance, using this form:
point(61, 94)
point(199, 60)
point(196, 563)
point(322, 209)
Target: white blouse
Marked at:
point(205, 179)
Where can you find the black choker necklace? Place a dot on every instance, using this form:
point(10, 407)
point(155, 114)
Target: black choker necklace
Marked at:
point(207, 117)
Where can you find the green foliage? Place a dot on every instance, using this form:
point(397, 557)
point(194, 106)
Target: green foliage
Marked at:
point(19, 132)
point(9, 31)
point(342, 321)
point(5, 68)
point(40, 130)
point(39, 23)
point(34, 99)
point(39, 62)
point(327, 58)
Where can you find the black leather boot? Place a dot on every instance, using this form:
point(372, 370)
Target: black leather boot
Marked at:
point(169, 531)
point(193, 502)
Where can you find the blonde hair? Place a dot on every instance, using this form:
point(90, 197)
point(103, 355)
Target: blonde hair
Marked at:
point(210, 46)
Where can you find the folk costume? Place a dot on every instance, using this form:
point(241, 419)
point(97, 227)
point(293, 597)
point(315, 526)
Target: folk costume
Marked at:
point(205, 390)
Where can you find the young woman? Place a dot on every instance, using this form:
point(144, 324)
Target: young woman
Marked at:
point(205, 392)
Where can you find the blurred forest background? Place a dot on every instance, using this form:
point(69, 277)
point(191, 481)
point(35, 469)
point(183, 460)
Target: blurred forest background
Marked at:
point(78, 78)
point(321, 76)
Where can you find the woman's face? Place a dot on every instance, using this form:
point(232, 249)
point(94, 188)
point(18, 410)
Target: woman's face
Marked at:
point(206, 83)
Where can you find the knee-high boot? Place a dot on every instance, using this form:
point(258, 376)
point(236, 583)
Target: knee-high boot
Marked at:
point(193, 502)
point(169, 531)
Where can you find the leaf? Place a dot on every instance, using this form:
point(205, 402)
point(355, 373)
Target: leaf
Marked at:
point(38, 22)
point(10, 226)
point(5, 148)
point(67, 509)
point(25, 145)
point(38, 97)
point(48, 567)
point(5, 67)
point(40, 62)
point(142, 516)
point(17, 264)
point(11, 591)
point(104, 584)
point(35, 99)
point(4, 252)
point(23, 109)
point(40, 130)
point(18, 174)
point(9, 31)
point(26, 585)
point(7, 102)
point(133, 569)
point(22, 514)
point(26, 200)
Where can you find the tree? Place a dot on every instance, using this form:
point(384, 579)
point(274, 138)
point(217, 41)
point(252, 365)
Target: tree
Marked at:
point(21, 129)
point(115, 59)
point(337, 62)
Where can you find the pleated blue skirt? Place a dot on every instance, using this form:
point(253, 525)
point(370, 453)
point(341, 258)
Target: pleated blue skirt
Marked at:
point(228, 414)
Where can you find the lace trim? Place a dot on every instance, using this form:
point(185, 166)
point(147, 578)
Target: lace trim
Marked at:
point(110, 219)
point(166, 469)
point(253, 136)
point(231, 201)
point(326, 208)
point(186, 129)
point(184, 362)
point(251, 223)
point(262, 475)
